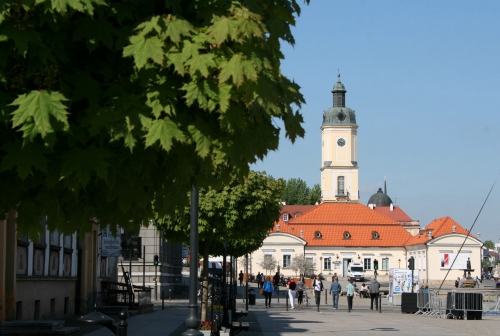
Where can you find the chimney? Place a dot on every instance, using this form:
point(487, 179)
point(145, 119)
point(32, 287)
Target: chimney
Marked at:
point(392, 207)
point(301, 233)
point(429, 234)
point(371, 206)
point(454, 228)
point(277, 228)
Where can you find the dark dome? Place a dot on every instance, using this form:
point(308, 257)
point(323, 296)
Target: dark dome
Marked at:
point(380, 199)
point(339, 116)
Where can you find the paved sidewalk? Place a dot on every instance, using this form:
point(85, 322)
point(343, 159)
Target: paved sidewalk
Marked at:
point(278, 321)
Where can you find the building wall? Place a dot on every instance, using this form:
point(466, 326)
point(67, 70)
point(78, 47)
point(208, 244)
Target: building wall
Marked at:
point(451, 244)
point(55, 298)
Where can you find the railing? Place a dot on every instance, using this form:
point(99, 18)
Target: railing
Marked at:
point(458, 304)
point(341, 192)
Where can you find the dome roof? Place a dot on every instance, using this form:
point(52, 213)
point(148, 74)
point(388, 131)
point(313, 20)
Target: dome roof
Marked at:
point(339, 87)
point(336, 116)
point(380, 199)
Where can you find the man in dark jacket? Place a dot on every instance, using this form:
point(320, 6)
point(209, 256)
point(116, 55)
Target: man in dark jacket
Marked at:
point(374, 292)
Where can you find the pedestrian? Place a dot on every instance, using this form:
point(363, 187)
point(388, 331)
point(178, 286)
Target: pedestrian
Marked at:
point(374, 293)
point(457, 282)
point(262, 280)
point(257, 278)
point(300, 290)
point(350, 292)
point(276, 281)
point(291, 285)
point(335, 290)
point(268, 291)
point(318, 288)
point(240, 277)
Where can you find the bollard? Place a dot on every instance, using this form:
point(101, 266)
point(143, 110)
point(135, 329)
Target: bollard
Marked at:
point(162, 300)
point(380, 303)
point(286, 296)
point(169, 293)
point(123, 325)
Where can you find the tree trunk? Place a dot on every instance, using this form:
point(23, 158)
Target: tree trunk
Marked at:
point(204, 295)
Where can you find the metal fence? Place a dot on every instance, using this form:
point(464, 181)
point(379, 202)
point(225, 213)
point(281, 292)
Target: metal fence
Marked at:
point(458, 304)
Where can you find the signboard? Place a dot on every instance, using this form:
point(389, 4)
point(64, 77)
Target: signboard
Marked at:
point(110, 245)
point(185, 252)
point(446, 259)
point(400, 281)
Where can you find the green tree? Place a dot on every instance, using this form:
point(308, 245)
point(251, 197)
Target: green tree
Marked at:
point(296, 192)
point(105, 105)
point(239, 214)
point(489, 244)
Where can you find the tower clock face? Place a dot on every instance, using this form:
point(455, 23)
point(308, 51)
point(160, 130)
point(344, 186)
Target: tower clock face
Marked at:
point(341, 142)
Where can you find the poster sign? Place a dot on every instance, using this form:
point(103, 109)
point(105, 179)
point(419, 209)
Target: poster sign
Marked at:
point(110, 245)
point(400, 281)
point(446, 259)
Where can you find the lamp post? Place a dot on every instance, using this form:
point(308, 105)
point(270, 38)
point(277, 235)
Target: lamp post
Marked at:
point(399, 261)
point(192, 320)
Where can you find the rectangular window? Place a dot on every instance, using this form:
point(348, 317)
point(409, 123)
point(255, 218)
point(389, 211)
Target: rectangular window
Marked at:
point(368, 263)
point(285, 217)
point(327, 263)
point(287, 259)
point(340, 185)
point(385, 264)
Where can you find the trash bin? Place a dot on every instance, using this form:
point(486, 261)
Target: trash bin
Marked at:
point(409, 303)
point(251, 297)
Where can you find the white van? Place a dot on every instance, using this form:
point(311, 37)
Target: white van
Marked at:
point(356, 272)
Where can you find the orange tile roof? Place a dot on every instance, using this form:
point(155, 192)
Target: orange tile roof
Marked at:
point(333, 219)
point(343, 213)
point(397, 214)
point(439, 227)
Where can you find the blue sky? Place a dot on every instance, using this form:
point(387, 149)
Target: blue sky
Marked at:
point(424, 80)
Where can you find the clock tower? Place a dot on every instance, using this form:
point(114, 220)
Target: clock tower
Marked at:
point(339, 150)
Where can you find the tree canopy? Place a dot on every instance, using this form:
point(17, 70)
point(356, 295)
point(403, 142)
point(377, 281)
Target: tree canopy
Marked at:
point(239, 214)
point(489, 244)
point(296, 192)
point(107, 105)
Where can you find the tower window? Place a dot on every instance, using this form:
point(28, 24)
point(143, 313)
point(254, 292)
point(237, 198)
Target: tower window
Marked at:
point(340, 185)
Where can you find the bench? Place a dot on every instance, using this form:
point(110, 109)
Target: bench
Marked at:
point(236, 327)
point(241, 313)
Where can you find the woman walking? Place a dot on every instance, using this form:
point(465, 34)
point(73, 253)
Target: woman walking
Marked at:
point(292, 285)
point(318, 288)
point(300, 289)
point(268, 291)
point(350, 292)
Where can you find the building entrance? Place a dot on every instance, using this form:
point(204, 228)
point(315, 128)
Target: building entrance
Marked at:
point(345, 264)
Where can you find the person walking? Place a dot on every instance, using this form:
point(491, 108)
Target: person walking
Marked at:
point(335, 290)
point(318, 288)
point(300, 290)
point(276, 281)
point(350, 292)
point(374, 293)
point(257, 279)
point(262, 280)
point(292, 285)
point(268, 291)
point(240, 277)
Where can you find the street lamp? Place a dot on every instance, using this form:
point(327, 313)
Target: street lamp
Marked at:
point(399, 261)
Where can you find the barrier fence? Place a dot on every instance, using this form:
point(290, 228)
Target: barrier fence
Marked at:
point(458, 304)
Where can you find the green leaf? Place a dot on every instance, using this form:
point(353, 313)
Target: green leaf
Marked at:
point(164, 131)
point(85, 163)
point(238, 68)
point(225, 96)
point(203, 142)
point(24, 158)
point(220, 29)
point(176, 28)
point(201, 63)
point(38, 108)
point(143, 49)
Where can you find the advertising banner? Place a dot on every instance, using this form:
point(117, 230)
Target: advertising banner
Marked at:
point(400, 281)
point(110, 245)
point(446, 259)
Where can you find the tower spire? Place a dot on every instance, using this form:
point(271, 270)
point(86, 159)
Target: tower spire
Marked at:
point(385, 186)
